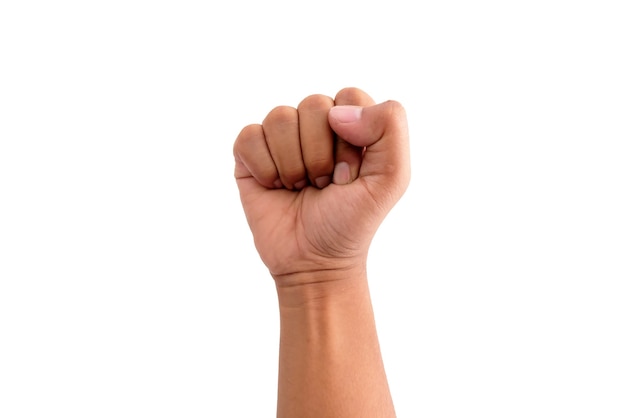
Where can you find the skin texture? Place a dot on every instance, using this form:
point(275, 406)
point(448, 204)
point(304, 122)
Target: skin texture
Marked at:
point(315, 183)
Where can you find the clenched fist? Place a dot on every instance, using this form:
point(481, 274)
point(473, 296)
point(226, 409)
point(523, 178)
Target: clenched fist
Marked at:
point(316, 181)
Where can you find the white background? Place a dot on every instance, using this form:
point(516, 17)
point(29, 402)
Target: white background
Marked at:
point(129, 284)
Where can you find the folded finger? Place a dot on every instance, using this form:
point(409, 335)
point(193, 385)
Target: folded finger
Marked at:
point(253, 158)
point(317, 139)
point(283, 141)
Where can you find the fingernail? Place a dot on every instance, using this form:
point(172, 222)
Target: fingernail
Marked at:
point(299, 185)
point(342, 173)
point(278, 184)
point(322, 182)
point(346, 114)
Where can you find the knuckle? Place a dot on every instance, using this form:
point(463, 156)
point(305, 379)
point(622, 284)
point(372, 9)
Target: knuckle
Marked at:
point(281, 115)
point(246, 137)
point(349, 94)
point(353, 96)
point(315, 102)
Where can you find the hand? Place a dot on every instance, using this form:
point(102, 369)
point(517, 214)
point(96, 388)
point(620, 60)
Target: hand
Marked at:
point(316, 182)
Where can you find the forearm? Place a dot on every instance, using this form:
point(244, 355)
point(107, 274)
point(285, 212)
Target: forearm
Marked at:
point(330, 362)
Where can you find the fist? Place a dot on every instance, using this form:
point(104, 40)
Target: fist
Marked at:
point(316, 181)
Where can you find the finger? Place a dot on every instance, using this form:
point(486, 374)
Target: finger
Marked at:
point(348, 156)
point(253, 158)
point(383, 130)
point(317, 139)
point(283, 140)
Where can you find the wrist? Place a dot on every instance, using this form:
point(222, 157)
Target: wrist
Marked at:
point(319, 287)
point(330, 360)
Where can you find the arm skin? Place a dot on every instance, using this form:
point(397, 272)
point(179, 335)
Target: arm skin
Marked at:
point(330, 363)
point(315, 183)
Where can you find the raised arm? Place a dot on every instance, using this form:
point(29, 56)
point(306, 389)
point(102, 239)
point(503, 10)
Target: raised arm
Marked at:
point(315, 183)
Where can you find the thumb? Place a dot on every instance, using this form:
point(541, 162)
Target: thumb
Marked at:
point(383, 130)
